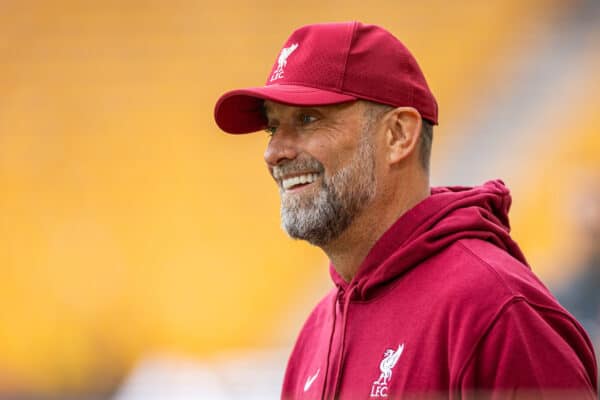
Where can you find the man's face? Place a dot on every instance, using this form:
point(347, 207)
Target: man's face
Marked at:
point(323, 160)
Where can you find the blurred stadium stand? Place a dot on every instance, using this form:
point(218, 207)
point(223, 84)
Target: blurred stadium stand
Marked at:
point(132, 230)
point(236, 376)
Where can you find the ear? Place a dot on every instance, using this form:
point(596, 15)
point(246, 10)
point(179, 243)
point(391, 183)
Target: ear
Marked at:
point(403, 129)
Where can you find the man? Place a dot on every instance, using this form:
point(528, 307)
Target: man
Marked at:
point(432, 297)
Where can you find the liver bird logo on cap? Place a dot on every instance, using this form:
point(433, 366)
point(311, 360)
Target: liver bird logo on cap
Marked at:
point(282, 61)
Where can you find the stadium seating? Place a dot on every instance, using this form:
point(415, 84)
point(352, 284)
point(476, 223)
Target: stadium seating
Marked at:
point(131, 225)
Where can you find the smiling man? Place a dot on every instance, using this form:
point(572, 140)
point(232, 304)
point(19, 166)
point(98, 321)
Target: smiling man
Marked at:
point(432, 297)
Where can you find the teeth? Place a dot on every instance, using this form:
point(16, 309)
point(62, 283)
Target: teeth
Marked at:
point(298, 180)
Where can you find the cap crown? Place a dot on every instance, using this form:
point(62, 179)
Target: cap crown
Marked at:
point(352, 58)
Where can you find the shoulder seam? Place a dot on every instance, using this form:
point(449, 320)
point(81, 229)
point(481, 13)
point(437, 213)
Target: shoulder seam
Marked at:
point(501, 310)
point(489, 267)
point(509, 290)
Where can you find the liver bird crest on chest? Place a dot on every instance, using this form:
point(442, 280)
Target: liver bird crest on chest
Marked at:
point(389, 361)
point(379, 388)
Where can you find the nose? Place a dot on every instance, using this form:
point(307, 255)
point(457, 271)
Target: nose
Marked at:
point(281, 147)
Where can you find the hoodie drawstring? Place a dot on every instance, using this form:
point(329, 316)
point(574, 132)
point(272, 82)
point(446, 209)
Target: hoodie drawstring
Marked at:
point(327, 363)
point(338, 377)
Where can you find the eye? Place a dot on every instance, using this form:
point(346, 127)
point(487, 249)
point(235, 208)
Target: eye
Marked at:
point(270, 130)
point(306, 119)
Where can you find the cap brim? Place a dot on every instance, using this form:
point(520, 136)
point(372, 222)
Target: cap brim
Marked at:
point(241, 111)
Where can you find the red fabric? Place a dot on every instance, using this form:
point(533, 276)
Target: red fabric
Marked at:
point(448, 285)
point(329, 64)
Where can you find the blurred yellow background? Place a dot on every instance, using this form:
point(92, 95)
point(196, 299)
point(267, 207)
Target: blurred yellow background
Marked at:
point(130, 224)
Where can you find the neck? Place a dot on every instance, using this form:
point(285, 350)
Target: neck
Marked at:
point(348, 251)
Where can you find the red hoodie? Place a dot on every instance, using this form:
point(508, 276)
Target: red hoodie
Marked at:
point(443, 306)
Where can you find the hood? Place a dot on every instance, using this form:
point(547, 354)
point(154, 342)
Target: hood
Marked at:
point(448, 215)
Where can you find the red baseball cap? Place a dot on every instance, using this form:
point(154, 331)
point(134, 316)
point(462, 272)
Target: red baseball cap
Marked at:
point(332, 63)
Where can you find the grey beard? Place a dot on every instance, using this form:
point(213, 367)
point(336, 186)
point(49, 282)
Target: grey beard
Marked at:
point(323, 217)
point(317, 222)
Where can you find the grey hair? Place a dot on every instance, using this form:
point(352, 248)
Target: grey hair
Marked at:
point(374, 111)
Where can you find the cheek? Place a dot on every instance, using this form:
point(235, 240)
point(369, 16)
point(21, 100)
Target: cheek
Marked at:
point(335, 154)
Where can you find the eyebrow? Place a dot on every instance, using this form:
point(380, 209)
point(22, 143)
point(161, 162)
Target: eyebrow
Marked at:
point(264, 110)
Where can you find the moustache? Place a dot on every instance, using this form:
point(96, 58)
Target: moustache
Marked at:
point(297, 166)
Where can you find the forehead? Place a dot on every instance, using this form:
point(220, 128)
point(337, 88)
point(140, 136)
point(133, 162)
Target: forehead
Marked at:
point(273, 108)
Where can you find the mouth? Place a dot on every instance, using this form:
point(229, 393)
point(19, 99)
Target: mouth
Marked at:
point(292, 183)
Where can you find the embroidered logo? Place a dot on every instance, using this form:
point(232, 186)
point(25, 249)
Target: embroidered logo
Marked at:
point(310, 380)
point(282, 61)
point(390, 358)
